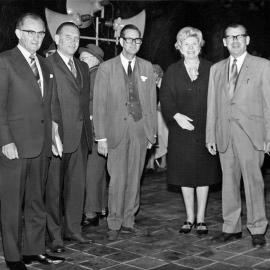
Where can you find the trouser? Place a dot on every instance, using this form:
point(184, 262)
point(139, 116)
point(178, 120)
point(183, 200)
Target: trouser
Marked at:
point(241, 158)
point(23, 183)
point(125, 166)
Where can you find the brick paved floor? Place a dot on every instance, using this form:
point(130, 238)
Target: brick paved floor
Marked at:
point(160, 246)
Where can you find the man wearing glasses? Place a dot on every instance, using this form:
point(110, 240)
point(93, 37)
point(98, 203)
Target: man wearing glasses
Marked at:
point(238, 127)
point(124, 113)
point(26, 86)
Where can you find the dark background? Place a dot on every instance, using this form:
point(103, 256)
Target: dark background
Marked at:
point(163, 21)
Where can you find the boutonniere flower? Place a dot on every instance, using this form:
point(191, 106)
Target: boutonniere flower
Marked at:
point(144, 78)
point(51, 75)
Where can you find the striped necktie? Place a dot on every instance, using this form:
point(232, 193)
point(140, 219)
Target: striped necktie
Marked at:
point(34, 68)
point(233, 77)
point(72, 68)
point(129, 70)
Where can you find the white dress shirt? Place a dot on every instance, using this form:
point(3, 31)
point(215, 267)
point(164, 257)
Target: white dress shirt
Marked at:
point(125, 61)
point(240, 60)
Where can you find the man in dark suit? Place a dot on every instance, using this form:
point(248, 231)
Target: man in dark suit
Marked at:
point(238, 127)
point(68, 177)
point(26, 85)
point(125, 125)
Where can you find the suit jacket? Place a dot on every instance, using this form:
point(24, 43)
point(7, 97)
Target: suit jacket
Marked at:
point(74, 103)
point(249, 107)
point(25, 116)
point(110, 100)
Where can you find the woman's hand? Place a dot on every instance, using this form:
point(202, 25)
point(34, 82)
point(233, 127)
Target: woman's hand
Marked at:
point(183, 121)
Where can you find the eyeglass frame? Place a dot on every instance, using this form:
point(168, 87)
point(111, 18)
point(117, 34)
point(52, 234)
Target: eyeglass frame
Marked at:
point(133, 40)
point(237, 37)
point(32, 33)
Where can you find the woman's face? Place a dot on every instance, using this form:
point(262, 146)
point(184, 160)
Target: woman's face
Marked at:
point(190, 48)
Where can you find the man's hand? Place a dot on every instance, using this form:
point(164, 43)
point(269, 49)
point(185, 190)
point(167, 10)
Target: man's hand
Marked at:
point(212, 148)
point(10, 151)
point(266, 148)
point(183, 121)
point(103, 147)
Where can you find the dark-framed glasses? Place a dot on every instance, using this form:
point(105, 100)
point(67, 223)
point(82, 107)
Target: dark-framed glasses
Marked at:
point(237, 37)
point(32, 33)
point(132, 40)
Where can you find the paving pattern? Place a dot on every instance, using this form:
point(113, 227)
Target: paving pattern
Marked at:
point(159, 246)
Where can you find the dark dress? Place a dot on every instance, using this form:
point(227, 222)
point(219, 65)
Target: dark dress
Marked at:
point(189, 164)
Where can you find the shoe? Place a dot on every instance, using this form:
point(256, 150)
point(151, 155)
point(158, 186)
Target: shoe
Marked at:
point(224, 237)
point(201, 228)
point(79, 239)
point(112, 235)
point(133, 229)
point(90, 221)
point(186, 228)
point(19, 265)
point(43, 259)
point(58, 249)
point(258, 240)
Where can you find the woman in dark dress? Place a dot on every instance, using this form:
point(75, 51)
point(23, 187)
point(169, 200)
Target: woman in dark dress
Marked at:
point(183, 99)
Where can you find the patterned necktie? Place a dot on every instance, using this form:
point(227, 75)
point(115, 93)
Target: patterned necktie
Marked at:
point(34, 68)
point(129, 70)
point(233, 78)
point(72, 68)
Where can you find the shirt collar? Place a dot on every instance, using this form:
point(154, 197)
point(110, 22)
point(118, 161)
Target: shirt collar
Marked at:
point(65, 58)
point(240, 60)
point(25, 53)
point(125, 61)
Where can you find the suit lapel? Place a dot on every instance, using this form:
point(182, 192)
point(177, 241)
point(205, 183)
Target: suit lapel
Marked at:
point(141, 85)
point(45, 73)
point(26, 72)
point(119, 74)
point(224, 77)
point(242, 74)
point(63, 67)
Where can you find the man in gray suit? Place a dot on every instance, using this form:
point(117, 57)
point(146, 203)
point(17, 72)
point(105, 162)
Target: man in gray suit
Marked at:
point(238, 127)
point(124, 113)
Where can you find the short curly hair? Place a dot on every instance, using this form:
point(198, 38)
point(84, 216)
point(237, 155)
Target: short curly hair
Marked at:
point(186, 32)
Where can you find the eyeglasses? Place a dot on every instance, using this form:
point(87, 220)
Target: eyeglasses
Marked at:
point(132, 40)
point(32, 33)
point(237, 37)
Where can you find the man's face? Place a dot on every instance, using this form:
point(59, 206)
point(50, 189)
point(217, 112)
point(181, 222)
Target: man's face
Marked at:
point(31, 34)
point(130, 48)
point(68, 40)
point(236, 41)
point(89, 59)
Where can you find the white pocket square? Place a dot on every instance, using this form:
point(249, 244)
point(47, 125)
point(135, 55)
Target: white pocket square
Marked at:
point(144, 78)
point(51, 75)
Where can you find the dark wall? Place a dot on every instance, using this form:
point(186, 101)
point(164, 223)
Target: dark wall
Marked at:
point(164, 19)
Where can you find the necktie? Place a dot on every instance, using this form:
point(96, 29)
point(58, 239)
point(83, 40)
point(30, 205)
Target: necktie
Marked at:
point(72, 68)
point(34, 68)
point(233, 78)
point(129, 70)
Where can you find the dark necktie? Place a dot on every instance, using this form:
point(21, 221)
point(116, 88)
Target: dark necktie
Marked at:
point(129, 70)
point(34, 68)
point(233, 78)
point(72, 68)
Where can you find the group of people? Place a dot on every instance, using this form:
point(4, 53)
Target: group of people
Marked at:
point(63, 121)
point(225, 107)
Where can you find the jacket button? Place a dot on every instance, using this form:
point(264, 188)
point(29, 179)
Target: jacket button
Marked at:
point(42, 121)
point(125, 118)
